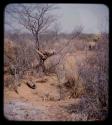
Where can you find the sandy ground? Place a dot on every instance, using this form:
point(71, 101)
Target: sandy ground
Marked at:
point(40, 104)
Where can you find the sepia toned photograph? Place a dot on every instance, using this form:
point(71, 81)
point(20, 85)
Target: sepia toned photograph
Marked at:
point(56, 62)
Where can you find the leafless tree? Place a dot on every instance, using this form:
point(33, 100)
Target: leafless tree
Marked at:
point(37, 20)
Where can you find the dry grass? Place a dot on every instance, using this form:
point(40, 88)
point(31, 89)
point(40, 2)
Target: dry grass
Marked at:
point(81, 74)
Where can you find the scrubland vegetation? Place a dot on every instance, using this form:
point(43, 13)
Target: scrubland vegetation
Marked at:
point(67, 74)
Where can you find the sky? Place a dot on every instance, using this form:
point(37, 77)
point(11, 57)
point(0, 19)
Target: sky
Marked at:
point(94, 18)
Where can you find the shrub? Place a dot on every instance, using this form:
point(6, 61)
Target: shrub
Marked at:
point(66, 69)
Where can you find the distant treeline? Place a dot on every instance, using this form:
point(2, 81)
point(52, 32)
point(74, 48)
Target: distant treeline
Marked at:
point(47, 36)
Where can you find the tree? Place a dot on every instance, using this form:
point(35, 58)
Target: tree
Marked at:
point(36, 19)
point(77, 31)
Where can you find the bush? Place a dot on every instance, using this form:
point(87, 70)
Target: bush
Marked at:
point(95, 74)
point(66, 69)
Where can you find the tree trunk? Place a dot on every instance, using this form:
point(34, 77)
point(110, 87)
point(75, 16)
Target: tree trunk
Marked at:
point(37, 42)
point(41, 61)
point(41, 67)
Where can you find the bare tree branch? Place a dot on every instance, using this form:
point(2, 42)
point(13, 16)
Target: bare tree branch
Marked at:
point(76, 32)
